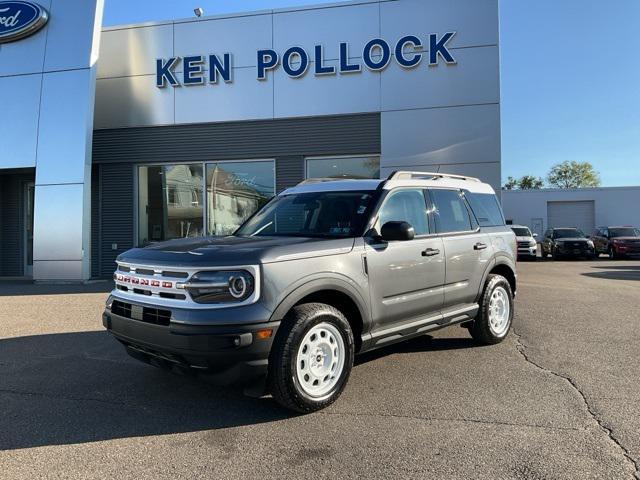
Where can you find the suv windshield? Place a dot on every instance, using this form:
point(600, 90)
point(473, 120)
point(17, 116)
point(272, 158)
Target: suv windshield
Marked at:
point(317, 214)
point(521, 231)
point(568, 233)
point(624, 232)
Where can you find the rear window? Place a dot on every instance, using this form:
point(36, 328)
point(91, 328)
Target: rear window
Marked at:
point(486, 208)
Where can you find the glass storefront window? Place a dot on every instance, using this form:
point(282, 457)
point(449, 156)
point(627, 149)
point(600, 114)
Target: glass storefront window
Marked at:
point(235, 190)
point(170, 202)
point(352, 167)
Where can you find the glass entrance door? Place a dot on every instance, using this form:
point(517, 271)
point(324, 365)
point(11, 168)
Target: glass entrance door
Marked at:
point(29, 195)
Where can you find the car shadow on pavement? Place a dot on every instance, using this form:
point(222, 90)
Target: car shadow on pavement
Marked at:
point(82, 387)
point(424, 343)
point(616, 272)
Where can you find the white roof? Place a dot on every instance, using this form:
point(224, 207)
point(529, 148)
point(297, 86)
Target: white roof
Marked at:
point(327, 185)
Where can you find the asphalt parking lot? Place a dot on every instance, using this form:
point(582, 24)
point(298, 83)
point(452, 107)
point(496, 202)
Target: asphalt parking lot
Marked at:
point(559, 399)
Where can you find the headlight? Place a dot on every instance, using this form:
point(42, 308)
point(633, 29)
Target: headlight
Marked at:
point(560, 243)
point(232, 286)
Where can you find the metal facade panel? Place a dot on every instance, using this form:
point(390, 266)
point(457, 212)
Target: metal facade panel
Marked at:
point(333, 135)
point(58, 225)
point(25, 56)
point(73, 34)
point(241, 36)
point(441, 135)
point(130, 51)
point(354, 24)
point(243, 99)
point(65, 127)
point(132, 101)
point(19, 119)
point(327, 95)
point(474, 80)
point(476, 22)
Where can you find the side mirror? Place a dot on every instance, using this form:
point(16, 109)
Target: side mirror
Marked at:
point(535, 235)
point(400, 231)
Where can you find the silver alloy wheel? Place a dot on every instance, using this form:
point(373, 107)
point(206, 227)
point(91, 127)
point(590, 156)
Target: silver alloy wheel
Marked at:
point(320, 360)
point(499, 311)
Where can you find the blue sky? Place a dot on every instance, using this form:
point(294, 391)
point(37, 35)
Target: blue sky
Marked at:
point(570, 73)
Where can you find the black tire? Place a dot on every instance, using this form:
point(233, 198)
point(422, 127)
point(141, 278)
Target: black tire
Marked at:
point(481, 330)
point(612, 254)
point(283, 381)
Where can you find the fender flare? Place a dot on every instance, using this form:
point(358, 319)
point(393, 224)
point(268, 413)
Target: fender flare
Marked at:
point(496, 261)
point(319, 282)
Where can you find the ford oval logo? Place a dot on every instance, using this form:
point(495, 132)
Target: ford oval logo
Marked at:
point(20, 19)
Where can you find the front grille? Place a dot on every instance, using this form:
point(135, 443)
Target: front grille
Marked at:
point(150, 282)
point(523, 244)
point(155, 316)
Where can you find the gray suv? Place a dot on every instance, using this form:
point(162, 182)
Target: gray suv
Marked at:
point(326, 270)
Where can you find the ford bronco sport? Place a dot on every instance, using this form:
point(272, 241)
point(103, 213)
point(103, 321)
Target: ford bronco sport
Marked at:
point(325, 270)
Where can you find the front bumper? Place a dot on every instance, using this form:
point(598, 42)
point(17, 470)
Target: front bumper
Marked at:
point(528, 251)
point(575, 251)
point(228, 353)
point(627, 249)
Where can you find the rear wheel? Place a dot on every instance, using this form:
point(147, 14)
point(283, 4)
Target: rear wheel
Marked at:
point(311, 358)
point(493, 322)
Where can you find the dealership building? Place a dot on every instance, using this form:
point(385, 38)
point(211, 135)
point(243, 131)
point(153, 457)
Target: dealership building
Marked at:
point(118, 137)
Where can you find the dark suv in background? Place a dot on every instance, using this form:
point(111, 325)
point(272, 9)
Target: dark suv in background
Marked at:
point(617, 242)
point(567, 242)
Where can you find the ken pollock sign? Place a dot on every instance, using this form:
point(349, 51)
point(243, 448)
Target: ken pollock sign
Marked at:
point(376, 55)
point(20, 19)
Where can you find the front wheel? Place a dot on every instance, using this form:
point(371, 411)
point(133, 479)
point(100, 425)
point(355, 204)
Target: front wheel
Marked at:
point(493, 322)
point(312, 357)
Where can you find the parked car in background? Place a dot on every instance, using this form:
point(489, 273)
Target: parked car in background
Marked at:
point(527, 244)
point(617, 242)
point(567, 242)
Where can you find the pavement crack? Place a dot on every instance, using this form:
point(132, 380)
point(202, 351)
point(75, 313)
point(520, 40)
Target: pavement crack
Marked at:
point(522, 349)
point(444, 419)
point(69, 398)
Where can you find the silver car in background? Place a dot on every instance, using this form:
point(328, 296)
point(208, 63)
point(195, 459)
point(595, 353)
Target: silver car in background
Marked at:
point(527, 243)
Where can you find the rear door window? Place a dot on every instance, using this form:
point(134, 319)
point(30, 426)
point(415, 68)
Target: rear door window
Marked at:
point(450, 211)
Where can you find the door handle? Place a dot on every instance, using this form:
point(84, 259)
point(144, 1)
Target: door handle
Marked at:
point(480, 246)
point(430, 252)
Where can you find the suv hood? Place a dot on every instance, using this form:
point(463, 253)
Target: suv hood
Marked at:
point(524, 239)
point(234, 251)
point(626, 239)
point(572, 239)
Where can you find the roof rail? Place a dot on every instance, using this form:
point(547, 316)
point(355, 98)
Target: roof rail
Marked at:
point(406, 175)
point(310, 181)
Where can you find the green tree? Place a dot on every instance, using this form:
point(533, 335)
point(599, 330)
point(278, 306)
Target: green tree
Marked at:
point(572, 174)
point(510, 184)
point(527, 182)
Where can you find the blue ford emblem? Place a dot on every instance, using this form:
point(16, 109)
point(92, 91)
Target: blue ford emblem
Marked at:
point(20, 19)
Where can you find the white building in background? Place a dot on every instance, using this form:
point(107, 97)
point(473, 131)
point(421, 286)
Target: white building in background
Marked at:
point(584, 208)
